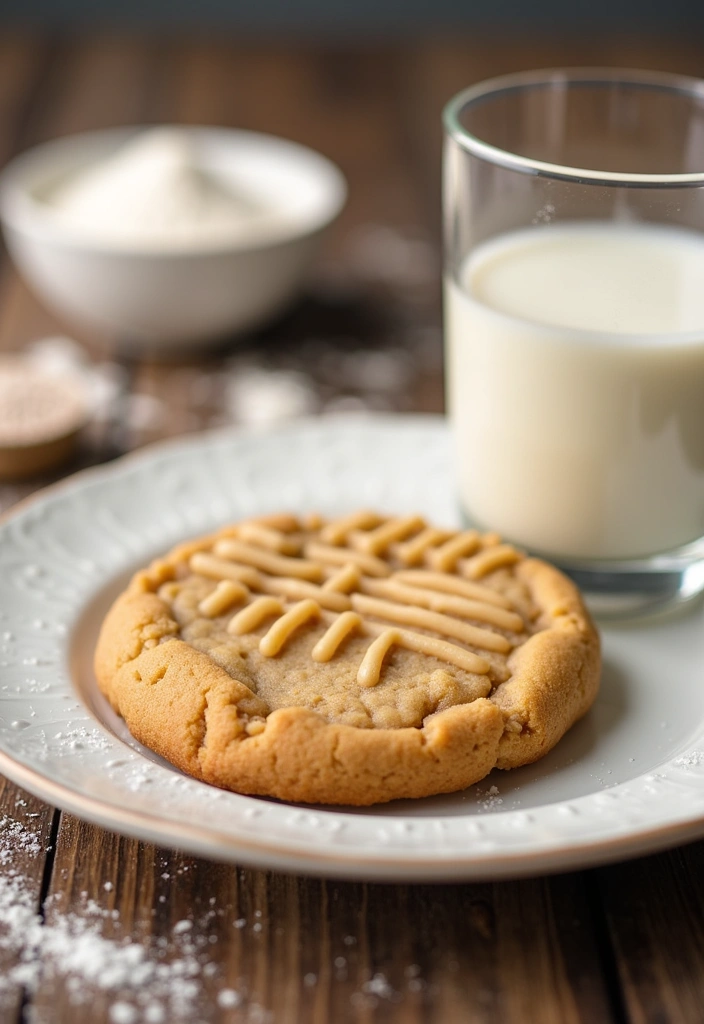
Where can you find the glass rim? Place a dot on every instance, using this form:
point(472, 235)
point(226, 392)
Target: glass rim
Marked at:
point(656, 80)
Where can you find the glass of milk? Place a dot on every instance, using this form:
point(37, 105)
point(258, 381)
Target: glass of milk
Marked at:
point(574, 324)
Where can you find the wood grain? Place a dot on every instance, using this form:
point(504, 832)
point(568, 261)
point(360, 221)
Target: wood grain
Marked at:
point(301, 949)
point(654, 908)
point(26, 832)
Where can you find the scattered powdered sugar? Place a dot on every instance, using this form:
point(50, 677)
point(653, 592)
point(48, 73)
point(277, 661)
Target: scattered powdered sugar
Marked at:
point(489, 799)
point(147, 987)
point(695, 759)
point(257, 397)
point(15, 837)
point(82, 738)
point(378, 985)
point(123, 1013)
point(104, 385)
point(374, 989)
point(157, 980)
point(70, 742)
point(72, 945)
point(381, 253)
point(228, 997)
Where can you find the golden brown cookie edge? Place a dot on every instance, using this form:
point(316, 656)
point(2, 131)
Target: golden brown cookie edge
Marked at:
point(441, 757)
point(555, 675)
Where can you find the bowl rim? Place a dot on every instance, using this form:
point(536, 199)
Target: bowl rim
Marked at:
point(22, 212)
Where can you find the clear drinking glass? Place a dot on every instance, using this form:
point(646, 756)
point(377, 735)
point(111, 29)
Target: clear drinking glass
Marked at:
point(574, 323)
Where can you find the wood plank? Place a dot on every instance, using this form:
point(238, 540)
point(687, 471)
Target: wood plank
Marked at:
point(23, 62)
point(680, 54)
point(304, 949)
point(88, 84)
point(25, 823)
point(94, 82)
point(25, 836)
point(49, 91)
point(23, 57)
point(94, 874)
point(654, 910)
point(91, 83)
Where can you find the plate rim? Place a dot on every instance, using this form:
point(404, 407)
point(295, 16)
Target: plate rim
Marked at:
point(260, 854)
point(293, 855)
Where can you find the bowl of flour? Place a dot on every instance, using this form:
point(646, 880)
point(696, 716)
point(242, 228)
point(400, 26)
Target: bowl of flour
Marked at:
point(168, 237)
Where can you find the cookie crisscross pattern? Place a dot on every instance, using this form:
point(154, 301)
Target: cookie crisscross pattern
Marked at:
point(393, 579)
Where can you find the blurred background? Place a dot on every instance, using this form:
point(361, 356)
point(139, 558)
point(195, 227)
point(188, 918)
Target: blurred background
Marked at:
point(365, 16)
point(364, 84)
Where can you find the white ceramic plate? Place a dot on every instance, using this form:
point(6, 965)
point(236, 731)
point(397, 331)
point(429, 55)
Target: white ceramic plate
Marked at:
point(628, 779)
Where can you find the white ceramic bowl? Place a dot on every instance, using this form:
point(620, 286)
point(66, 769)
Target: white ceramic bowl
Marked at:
point(162, 297)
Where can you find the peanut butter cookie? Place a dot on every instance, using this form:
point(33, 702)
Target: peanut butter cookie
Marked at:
point(353, 661)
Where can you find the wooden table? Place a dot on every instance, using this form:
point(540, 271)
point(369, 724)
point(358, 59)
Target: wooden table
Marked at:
point(622, 943)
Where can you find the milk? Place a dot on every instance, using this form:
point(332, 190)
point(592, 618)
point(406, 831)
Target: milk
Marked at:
point(575, 369)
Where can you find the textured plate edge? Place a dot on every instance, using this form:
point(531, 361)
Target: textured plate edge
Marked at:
point(147, 451)
point(297, 857)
